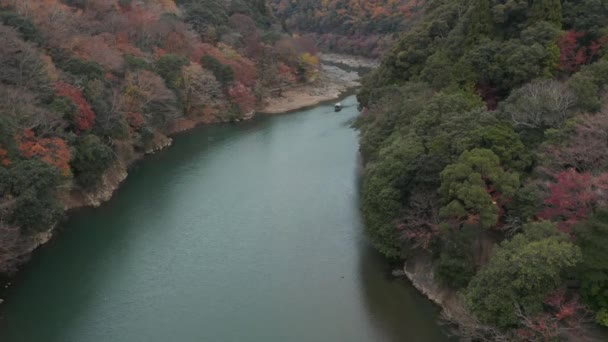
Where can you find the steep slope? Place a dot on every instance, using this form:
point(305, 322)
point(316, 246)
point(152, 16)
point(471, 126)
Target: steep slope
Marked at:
point(87, 87)
point(484, 139)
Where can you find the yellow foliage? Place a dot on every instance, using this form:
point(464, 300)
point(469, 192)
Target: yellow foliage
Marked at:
point(50, 68)
point(311, 65)
point(168, 6)
point(228, 51)
point(310, 60)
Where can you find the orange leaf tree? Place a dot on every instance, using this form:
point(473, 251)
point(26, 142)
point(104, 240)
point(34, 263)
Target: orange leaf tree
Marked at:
point(53, 151)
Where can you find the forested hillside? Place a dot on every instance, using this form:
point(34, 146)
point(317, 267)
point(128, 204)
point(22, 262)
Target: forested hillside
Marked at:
point(358, 27)
point(485, 137)
point(85, 85)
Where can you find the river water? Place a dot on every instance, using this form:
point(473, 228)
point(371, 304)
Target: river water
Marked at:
point(246, 232)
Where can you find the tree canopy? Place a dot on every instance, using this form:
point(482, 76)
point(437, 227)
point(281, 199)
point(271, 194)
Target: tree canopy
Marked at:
point(85, 85)
point(485, 126)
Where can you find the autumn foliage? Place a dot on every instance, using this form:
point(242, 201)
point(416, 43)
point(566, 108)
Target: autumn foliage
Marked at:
point(573, 197)
point(525, 83)
point(53, 151)
point(349, 26)
point(135, 120)
point(574, 53)
point(86, 84)
point(564, 314)
point(4, 160)
point(85, 116)
point(242, 97)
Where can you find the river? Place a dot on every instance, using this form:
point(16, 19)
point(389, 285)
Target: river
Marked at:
point(247, 232)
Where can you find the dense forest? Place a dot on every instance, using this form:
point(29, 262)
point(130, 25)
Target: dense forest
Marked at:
point(484, 131)
point(85, 85)
point(485, 137)
point(359, 27)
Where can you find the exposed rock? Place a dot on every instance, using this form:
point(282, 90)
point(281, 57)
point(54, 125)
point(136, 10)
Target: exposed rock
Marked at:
point(114, 175)
point(419, 270)
point(398, 273)
point(110, 181)
point(249, 115)
point(43, 237)
point(159, 143)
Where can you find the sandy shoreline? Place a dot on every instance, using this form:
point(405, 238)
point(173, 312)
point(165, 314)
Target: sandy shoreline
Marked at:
point(332, 83)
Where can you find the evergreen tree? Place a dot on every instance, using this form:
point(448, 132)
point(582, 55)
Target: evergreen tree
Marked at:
point(547, 10)
point(480, 22)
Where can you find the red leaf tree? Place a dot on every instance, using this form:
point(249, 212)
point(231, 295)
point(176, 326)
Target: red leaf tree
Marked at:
point(563, 312)
point(573, 53)
point(85, 117)
point(4, 160)
point(245, 70)
point(584, 149)
point(287, 74)
point(573, 197)
point(135, 120)
point(242, 96)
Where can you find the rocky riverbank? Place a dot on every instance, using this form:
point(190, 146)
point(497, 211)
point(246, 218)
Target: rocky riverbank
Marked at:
point(419, 270)
point(331, 84)
point(349, 61)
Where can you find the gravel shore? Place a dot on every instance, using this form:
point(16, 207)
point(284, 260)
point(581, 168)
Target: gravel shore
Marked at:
point(332, 83)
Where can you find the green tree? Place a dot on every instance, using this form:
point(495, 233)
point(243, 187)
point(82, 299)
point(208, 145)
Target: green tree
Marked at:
point(456, 266)
point(33, 175)
point(588, 16)
point(204, 14)
point(480, 21)
point(521, 274)
point(396, 107)
point(526, 203)
point(506, 144)
point(79, 67)
point(519, 63)
point(135, 63)
point(90, 161)
point(34, 183)
point(470, 186)
point(546, 35)
point(440, 71)
point(384, 190)
point(222, 73)
point(26, 28)
point(589, 85)
point(442, 114)
point(169, 67)
point(592, 237)
point(64, 107)
point(547, 10)
point(36, 212)
point(4, 181)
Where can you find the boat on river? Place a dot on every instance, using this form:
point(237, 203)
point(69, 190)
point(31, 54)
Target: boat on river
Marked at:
point(338, 107)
